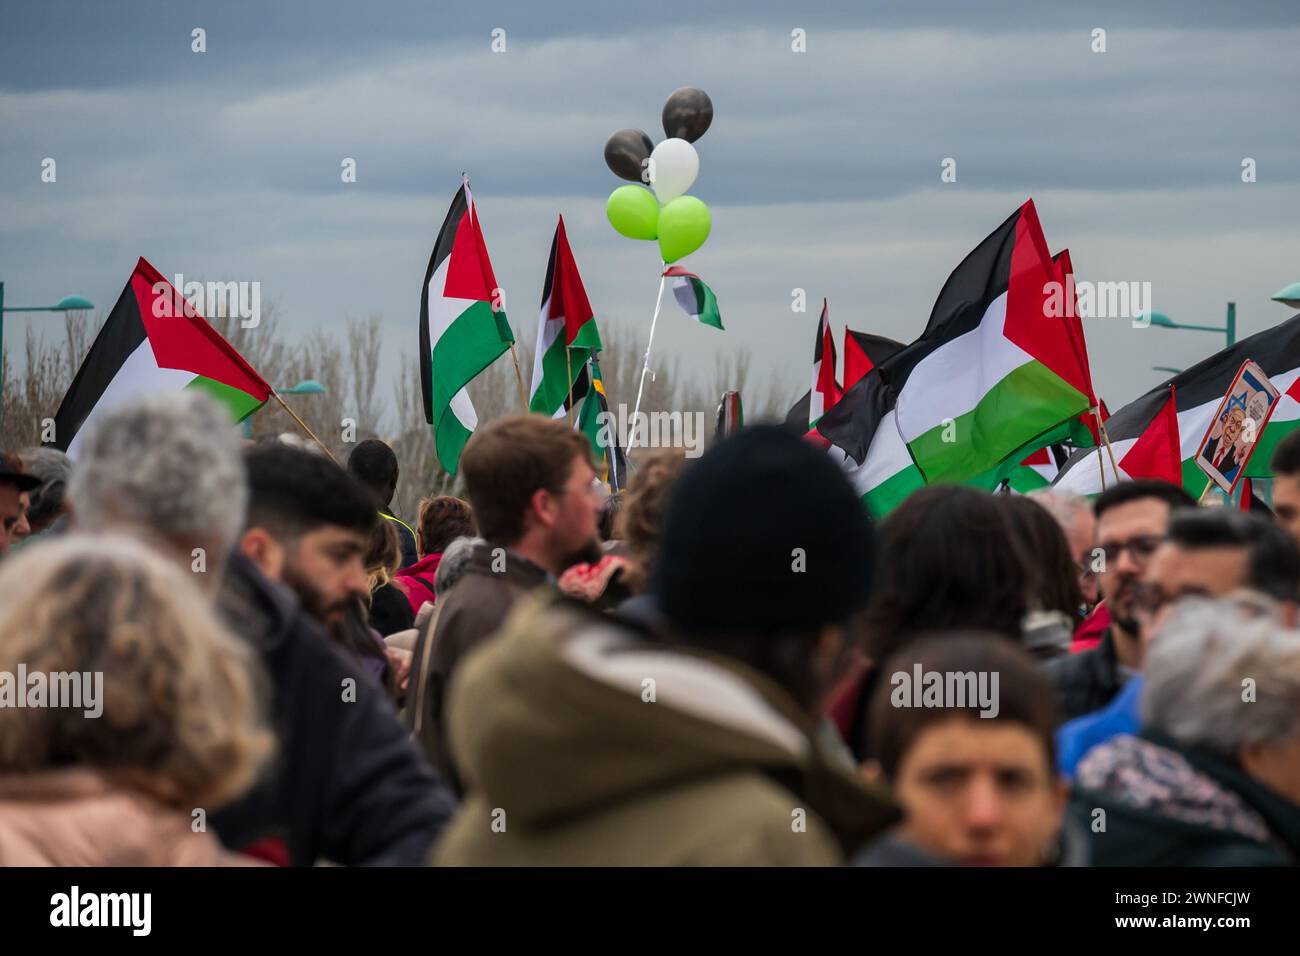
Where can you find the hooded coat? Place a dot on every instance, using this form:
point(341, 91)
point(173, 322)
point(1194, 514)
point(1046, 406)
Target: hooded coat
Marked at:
point(583, 743)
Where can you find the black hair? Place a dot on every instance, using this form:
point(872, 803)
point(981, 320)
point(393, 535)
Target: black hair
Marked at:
point(292, 492)
point(950, 557)
point(1286, 457)
point(1054, 578)
point(1127, 491)
point(374, 464)
point(1274, 563)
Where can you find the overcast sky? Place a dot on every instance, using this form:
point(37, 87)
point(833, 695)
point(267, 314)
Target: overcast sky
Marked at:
point(822, 169)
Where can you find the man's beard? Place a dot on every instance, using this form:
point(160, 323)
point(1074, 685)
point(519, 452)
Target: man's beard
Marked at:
point(1124, 616)
point(316, 604)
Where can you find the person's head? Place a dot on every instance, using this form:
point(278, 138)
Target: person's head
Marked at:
point(383, 554)
point(951, 559)
point(1286, 484)
point(1054, 581)
point(48, 503)
point(441, 521)
point(973, 764)
point(163, 701)
point(374, 466)
point(1207, 655)
point(1210, 553)
point(1232, 424)
point(308, 526)
point(1074, 514)
point(765, 556)
point(1132, 519)
point(641, 519)
point(15, 485)
point(532, 486)
point(455, 560)
point(164, 467)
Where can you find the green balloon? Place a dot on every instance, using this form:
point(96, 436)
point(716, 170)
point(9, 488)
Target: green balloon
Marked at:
point(633, 211)
point(683, 226)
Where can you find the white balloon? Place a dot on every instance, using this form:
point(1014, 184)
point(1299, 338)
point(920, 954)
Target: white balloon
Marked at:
point(674, 164)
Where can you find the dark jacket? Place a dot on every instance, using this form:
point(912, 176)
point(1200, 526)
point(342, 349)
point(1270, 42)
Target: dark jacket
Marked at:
point(595, 746)
point(405, 537)
point(471, 612)
point(345, 784)
point(1086, 681)
point(1170, 805)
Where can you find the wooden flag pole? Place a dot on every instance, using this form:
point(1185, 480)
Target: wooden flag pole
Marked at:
point(1105, 435)
point(519, 379)
point(1101, 467)
point(303, 425)
point(1209, 483)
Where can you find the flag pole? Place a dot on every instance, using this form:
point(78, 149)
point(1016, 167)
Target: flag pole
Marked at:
point(1105, 435)
point(519, 379)
point(568, 369)
point(645, 367)
point(303, 425)
point(1101, 467)
point(1209, 483)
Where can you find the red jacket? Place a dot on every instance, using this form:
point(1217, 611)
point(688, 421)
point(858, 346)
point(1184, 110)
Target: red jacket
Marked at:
point(416, 581)
point(1091, 629)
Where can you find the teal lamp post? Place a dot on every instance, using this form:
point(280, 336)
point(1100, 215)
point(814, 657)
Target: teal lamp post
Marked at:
point(308, 386)
point(1229, 329)
point(1289, 296)
point(70, 303)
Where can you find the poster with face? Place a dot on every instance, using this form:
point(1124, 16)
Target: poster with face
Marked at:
point(1238, 422)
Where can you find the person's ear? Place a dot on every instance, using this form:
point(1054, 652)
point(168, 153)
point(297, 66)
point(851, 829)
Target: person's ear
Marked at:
point(540, 508)
point(261, 547)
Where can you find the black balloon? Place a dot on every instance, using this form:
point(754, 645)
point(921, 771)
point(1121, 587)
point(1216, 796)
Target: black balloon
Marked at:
point(688, 113)
point(625, 151)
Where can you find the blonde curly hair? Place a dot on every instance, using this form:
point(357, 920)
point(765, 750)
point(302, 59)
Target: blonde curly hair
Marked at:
point(180, 717)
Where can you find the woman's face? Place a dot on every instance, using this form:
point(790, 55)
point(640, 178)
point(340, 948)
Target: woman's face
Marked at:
point(980, 793)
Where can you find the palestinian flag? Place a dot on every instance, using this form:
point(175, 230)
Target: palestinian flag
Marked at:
point(863, 352)
point(566, 330)
point(993, 372)
point(844, 424)
point(825, 391)
point(154, 341)
point(696, 299)
point(463, 329)
point(1038, 470)
point(1197, 392)
point(611, 464)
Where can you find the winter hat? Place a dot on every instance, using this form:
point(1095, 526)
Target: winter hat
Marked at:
point(763, 534)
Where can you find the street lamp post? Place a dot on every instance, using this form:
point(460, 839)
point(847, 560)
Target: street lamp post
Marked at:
point(70, 303)
point(1229, 329)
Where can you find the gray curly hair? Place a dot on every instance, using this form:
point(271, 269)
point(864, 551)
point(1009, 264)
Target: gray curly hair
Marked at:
point(167, 465)
point(1196, 670)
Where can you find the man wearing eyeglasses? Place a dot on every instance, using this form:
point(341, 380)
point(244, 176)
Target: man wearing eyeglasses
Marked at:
point(1207, 553)
point(1132, 520)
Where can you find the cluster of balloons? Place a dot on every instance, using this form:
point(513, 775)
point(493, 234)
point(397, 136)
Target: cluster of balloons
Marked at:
point(679, 222)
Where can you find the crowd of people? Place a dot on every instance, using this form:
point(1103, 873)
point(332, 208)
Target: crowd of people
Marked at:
point(730, 662)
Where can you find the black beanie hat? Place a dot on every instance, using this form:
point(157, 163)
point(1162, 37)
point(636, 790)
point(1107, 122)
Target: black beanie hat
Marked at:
point(763, 534)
